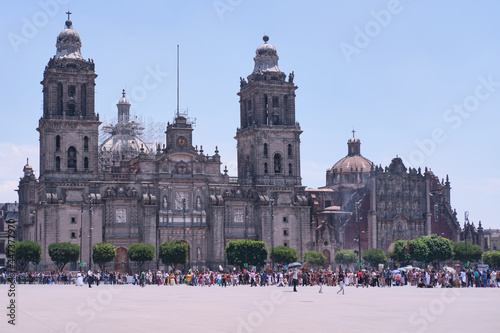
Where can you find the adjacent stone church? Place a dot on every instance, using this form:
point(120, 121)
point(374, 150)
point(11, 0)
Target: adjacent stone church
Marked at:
point(124, 191)
point(364, 206)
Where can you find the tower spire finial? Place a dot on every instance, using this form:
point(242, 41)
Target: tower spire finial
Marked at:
point(353, 131)
point(68, 22)
point(123, 93)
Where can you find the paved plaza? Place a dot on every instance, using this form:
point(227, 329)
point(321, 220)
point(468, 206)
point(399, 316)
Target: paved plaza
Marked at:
point(128, 308)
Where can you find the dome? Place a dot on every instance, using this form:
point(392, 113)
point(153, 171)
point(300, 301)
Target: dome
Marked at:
point(266, 50)
point(124, 99)
point(353, 162)
point(351, 171)
point(354, 159)
point(124, 142)
point(123, 145)
point(68, 43)
point(266, 57)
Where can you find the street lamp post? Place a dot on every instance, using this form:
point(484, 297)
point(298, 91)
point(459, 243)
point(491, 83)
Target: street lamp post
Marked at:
point(90, 231)
point(184, 218)
point(81, 236)
point(184, 223)
point(466, 219)
point(272, 233)
point(359, 234)
point(157, 249)
point(245, 265)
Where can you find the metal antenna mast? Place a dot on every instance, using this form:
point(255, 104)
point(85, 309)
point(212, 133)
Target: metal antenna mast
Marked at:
point(177, 80)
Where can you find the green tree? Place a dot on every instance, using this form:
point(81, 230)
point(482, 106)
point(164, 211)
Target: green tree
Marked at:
point(375, 257)
point(256, 252)
point(440, 249)
point(315, 258)
point(103, 253)
point(25, 252)
point(466, 251)
point(141, 253)
point(401, 252)
point(284, 255)
point(62, 253)
point(173, 253)
point(346, 257)
point(492, 258)
point(419, 250)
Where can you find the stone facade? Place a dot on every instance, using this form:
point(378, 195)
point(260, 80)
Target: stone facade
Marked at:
point(372, 207)
point(492, 239)
point(124, 192)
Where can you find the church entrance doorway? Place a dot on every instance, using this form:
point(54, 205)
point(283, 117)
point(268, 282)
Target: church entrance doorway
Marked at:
point(121, 262)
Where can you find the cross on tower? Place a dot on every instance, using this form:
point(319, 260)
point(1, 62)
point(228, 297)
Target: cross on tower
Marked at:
point(69, 13)
point(123, 93)
point(353, 131)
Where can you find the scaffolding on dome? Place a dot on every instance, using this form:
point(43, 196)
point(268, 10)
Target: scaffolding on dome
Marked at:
point(119, 141)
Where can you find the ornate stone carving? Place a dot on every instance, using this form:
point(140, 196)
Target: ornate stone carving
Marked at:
point(238, 215)
point(121, 215)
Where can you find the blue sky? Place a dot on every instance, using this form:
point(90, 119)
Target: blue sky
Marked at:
point(417, 79)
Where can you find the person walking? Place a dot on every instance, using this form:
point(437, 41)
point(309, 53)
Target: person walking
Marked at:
point(90, 278)
point(143, 279)
point(295, 279)
point(341, 285)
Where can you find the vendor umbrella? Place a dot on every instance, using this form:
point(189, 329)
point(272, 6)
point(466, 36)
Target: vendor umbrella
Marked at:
point(449, 269)
point(294, 264)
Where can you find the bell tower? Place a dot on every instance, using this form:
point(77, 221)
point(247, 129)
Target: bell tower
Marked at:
point(268, 138)
point(179, 135)
point(69, 125)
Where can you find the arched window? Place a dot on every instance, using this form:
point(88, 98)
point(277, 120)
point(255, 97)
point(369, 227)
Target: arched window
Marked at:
point(247, 165)
point(71, 158)
point(86, 163)
point(276, 102)
point(83, 100)
point(276, 119)
point(265, 168)
point(58, 163)
point(266, 153)
point(71, 109)
point(277, 163)
point(289, 169)
point(86, 143)
point(290, 155)
point(59, 98)
point(58, 143)
point(71, 91)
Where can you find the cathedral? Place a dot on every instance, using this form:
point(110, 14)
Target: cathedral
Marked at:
point(126, 191)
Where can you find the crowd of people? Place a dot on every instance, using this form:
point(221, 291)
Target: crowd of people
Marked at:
point(427, 278)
